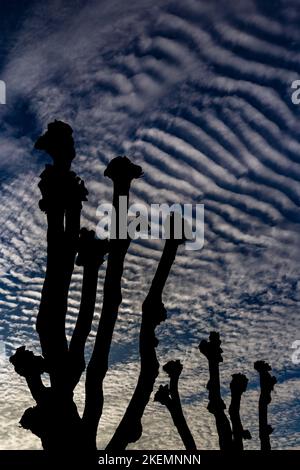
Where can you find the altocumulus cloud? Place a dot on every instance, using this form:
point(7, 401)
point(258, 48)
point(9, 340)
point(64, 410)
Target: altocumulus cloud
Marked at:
point(198, 93)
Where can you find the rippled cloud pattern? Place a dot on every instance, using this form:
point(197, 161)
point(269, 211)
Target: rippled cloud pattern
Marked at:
point(199, 94)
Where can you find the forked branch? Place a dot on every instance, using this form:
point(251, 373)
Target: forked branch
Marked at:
point(169, 396)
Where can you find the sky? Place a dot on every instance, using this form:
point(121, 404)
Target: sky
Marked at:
point(199, 94)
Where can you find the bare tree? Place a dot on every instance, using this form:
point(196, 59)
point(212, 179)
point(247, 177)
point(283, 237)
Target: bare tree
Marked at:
point(55, 418)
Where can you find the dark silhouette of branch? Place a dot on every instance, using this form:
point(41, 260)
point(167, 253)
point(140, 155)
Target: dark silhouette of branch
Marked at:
point(238, 386)
point(91, 252)
point(62, 196)
point(55, 421)
point(169, 396)
point(267, 382)
point(121, 171)
point(55, 418)
point(153, 313)
point(212, 351)
point(31, 367)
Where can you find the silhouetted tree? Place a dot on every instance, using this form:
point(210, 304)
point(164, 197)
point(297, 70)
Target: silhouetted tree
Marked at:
point(55, 418)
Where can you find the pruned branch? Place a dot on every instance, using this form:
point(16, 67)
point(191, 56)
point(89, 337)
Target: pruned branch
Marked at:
point(91, 252)
point(267, 382)
point(153, 313)
point(238, 386)
point(55, 418)
point(169, 396)
point(213, 352)
point(31, 367)
point(121, 171)
point(62, 196)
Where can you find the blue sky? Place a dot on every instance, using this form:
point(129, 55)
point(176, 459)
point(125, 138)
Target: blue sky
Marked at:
point(199, 94)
